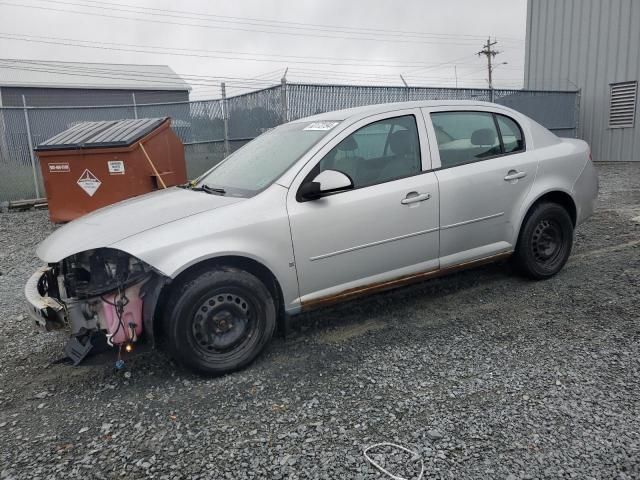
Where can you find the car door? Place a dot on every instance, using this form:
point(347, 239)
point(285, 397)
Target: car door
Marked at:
point(485, 172)
point(386, 227)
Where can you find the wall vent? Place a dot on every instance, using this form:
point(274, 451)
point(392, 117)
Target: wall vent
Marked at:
point(622, 104)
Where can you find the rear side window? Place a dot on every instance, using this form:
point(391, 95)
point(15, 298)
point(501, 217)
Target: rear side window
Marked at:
point(465, 137)
point(511, 134)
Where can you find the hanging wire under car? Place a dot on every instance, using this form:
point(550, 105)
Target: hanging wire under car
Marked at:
point(119, 309)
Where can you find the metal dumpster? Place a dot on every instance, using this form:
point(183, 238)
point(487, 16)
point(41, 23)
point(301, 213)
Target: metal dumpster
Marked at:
point(94, 164)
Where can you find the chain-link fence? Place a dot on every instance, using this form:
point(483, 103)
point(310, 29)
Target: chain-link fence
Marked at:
point(253, 113)
point(556, 110)
point(202, 126)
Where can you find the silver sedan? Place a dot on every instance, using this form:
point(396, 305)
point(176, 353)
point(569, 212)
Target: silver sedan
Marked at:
point(313, 212)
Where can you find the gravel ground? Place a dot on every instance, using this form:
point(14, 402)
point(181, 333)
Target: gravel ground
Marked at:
point(484, 374)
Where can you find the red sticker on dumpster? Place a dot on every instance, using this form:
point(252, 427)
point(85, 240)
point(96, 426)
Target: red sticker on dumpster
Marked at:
point(59, 167)
point(89, 182)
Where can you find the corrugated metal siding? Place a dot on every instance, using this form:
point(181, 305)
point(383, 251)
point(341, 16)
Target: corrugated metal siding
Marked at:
point(46, 74)
point(587, 44)
point(74, 97)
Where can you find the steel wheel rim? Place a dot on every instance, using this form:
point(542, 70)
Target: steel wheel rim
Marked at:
point(223, 323)
point(547, 242)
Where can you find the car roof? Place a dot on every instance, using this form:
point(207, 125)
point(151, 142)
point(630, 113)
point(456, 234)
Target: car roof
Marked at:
point(356, 113)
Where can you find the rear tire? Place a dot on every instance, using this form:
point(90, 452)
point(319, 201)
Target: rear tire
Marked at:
point(545, 241)
point(219, 321)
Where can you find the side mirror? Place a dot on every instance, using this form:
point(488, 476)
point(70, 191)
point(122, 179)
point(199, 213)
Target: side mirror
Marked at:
point(325, 183)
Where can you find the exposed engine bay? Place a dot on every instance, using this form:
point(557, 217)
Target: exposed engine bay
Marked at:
point(99, 295)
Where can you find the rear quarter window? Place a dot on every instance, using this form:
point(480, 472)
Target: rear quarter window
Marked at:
point(511, 132)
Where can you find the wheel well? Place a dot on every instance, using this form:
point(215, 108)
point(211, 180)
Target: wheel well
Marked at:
point(561, 198)
point(243, 263)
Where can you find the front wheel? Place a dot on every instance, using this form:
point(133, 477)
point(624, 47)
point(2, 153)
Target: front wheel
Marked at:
point(219, 321)
point(545, 241)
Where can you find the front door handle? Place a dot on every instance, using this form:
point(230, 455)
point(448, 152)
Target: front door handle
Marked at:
point(415, 197)
point(514, 175)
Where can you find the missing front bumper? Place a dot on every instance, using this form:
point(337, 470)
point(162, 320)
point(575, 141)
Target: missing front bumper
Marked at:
point(114, 318)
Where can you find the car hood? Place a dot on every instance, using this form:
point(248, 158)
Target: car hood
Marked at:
point(124, 219)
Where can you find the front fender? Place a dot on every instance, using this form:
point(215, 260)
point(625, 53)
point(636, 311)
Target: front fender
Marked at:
point(257, 229)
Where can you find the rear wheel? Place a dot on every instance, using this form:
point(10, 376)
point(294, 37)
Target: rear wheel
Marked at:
point(545, 241)
point(219, 321)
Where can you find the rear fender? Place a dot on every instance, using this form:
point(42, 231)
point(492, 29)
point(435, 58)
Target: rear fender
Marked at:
point(559, 168)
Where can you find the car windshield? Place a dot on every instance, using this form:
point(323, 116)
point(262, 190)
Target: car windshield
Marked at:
point(260, 162)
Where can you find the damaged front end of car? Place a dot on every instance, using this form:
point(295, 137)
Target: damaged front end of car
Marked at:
point(104, 296)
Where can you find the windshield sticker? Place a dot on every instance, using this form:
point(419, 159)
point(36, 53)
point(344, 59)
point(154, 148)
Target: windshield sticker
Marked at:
point(321, 126)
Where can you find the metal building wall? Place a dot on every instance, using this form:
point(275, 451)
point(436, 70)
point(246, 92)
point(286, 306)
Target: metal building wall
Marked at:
point(79, 97)
point(587, 44)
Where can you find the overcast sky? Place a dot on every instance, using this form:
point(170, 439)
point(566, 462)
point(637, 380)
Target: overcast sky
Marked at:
point(251, 42)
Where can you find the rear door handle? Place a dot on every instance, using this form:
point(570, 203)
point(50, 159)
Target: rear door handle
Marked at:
point(514, 175)
point(415, 197)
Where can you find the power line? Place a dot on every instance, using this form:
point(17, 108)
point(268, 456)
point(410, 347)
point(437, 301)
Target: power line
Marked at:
point(389, 79)
point(199, 78)
point(395, 74)
point(126, 73)
point(364, 62)
point(264, 23)
point(235, 85)
point(155, 81)
point(104, 76)
point(62, 67)
point(203, 81)
point(289, 24)
point(346, 74)
point(167, 22)
point(143, 49)
point(266, 74)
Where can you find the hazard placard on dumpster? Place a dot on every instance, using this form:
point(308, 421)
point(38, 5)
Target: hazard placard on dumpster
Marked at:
point(89, 182)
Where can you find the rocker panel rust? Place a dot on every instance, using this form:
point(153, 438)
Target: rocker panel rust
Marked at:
point(363, 290)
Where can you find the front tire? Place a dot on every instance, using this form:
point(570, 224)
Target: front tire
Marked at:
point(219, 321)
point(545, 241)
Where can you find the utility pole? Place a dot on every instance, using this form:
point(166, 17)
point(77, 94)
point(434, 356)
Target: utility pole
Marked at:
point(489, 53)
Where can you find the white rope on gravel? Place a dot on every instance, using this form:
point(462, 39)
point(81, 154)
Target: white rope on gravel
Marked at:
point(379, 467)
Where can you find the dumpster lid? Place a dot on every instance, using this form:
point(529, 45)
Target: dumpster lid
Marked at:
point(110, 133)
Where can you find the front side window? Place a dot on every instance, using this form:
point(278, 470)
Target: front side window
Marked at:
point(262, 161)
point(379, 152)
point(465, 137)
